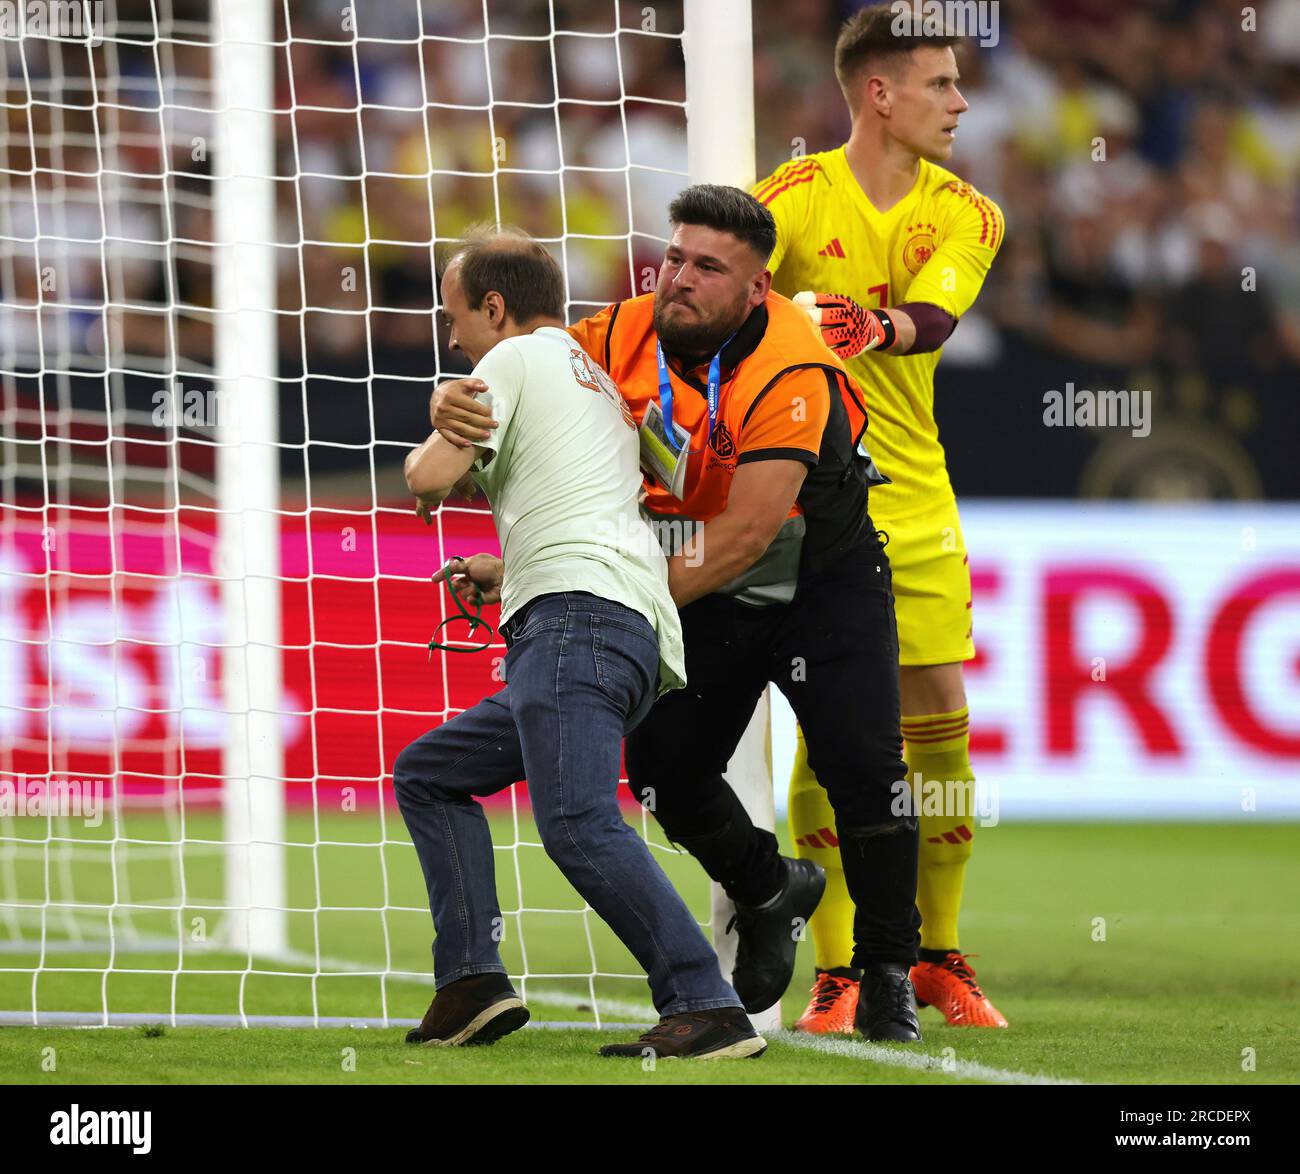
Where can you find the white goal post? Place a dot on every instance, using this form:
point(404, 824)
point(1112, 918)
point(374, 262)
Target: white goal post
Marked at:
point(248, 479)
point(146, 645)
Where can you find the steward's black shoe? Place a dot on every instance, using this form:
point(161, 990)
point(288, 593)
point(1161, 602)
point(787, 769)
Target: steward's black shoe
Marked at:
point(479, 1009)
point(887, 1004)
point(724, 1034)
point(769, 937)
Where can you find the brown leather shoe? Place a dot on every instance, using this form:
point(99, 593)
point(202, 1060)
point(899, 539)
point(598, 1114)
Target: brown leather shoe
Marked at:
point(479, 1009)
point(723, 1034)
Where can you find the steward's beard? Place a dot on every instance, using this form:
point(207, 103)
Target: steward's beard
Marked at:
point(696, 338)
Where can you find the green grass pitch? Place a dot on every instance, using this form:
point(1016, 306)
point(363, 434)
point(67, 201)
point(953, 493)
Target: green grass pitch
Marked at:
point(1120, 953)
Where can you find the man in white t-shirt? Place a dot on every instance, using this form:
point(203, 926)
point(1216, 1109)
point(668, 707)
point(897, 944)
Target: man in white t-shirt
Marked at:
point(593, 638)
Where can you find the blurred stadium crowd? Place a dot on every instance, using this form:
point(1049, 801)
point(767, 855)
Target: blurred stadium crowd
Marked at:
point(1146, 153)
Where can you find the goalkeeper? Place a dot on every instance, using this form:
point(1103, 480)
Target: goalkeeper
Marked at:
point(905, 245)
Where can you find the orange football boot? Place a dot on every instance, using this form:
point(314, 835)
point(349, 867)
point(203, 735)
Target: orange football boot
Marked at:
point(833, 1003)
point(950, 987)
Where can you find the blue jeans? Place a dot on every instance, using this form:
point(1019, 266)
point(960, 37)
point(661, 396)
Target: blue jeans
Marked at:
point(580, 672)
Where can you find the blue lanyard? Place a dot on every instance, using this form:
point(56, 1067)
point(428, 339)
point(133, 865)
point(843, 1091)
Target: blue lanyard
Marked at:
point(666, 392)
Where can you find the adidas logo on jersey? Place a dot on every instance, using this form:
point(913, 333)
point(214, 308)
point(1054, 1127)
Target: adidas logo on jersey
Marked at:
point(834, 249)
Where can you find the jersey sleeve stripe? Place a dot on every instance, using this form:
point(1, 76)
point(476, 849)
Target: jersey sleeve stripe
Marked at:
point(774, 184)
point(984, 216)
point(781, 175)
point(999, 225)
point(765, 200)
point(992, 230)
point(793, 179)
point(991, 216)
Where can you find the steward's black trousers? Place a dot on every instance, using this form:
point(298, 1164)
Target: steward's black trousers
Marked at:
point(833, 652)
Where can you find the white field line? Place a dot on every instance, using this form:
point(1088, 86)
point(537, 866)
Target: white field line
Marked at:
point(640, 1013)
point(637, 1014)
point(850, 1048)
point(120, 1021)
point(917, 1061)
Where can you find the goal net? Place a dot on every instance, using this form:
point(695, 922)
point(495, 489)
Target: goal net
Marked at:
point(217, 341)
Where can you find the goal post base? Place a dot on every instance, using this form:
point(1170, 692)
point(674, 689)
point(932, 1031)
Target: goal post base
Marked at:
point(749, 774)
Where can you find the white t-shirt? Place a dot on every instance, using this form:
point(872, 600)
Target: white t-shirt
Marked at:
point(562, 472)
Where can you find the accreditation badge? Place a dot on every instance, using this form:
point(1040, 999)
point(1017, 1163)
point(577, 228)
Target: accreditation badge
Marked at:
point(666, 467)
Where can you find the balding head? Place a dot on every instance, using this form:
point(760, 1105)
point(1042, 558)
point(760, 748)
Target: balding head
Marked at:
point(499, 282)
point(508, 261)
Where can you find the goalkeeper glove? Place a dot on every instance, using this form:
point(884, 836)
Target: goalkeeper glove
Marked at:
point(847, 328)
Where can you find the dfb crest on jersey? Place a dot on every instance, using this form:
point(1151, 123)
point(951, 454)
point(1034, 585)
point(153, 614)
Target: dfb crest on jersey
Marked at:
point(919, 247)
point(721, 441)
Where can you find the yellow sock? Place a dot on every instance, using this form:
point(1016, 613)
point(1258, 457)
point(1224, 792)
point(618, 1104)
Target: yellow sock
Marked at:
point(812, 827)
point(938, 749)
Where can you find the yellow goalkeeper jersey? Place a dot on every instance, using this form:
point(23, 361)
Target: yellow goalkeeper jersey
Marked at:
point(935, 245)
